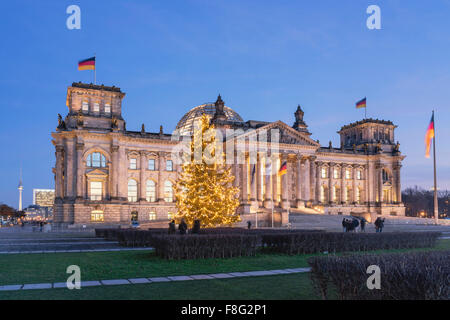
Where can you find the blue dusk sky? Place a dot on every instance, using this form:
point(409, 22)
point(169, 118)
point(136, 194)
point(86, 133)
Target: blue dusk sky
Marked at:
point(263, 57)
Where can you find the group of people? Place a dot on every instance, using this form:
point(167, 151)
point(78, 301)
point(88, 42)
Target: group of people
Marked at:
point(183, 227)
point(351, 225)
point(379, 224)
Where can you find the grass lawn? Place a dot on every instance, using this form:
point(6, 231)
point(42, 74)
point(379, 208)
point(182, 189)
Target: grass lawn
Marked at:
point(288, 287)
point(51, 267)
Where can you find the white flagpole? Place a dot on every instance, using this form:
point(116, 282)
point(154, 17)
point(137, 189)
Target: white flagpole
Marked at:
point(95, 68)
point(436, 209)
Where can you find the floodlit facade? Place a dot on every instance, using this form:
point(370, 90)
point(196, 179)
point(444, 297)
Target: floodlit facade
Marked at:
point(106, 174)
point(44, 197)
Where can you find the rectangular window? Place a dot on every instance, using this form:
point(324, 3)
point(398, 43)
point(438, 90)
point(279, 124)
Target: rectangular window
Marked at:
point(85, 106)
point(348, 174)
point(133, 164)
point(358, 175)
point(152, 215)
point(336, 174)
point(107, 108)
point(97, 216)
point(169, 165)
point(324, 173)
point(358, 195)
point(96, 190)
point(337, 195)
point(96, 107)
point(349, 195)
point(151, 164)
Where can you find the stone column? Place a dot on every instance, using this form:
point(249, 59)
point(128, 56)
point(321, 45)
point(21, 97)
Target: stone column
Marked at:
point(80, 170)
point(59, 187)
point(380, 184)
point(142, 182)
point(318, 166)
point(366, 185)
point(284, 183)
point(70, 172)
point(343, 194)
point(268, 185)
point(244, 182)
point(307, 179)
point(122, 174)
point(259, 196)
point(253, 183)
point(354, 182)
point(114, 172)
point(331, 183)
point(299, 183)
point(161, 168)
point(235, 170)
point(398, 188)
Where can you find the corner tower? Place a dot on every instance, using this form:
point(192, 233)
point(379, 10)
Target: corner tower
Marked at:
point(93, 107)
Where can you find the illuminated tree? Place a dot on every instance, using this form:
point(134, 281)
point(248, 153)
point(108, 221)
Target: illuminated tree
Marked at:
point(204, 189)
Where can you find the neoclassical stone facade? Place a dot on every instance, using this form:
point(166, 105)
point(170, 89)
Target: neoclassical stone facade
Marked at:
point(106, 174)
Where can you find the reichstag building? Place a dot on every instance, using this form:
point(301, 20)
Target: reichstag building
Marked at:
point(106, 174)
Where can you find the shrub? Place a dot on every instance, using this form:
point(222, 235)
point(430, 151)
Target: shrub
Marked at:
point(407, 276)
point(141, 238)
point(205, 246)
point(310, 242)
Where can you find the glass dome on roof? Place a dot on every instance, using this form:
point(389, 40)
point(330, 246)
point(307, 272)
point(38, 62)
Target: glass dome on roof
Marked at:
point(186, 125)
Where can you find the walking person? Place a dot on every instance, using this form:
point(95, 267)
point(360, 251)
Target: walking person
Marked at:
point(344, 225)
point(363, 225)
point(355, 224)
point(377, 225)
point(381, 226)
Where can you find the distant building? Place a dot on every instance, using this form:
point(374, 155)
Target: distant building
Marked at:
point(44, 197)
point(36, 212)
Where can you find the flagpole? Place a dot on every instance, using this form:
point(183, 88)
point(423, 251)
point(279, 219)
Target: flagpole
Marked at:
point(436, 210)
point(95, 68)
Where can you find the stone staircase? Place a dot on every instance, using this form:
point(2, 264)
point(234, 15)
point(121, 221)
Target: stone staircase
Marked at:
point(334, 223)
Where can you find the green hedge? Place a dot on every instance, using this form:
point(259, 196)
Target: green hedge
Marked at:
point(205, 246)
point(407, 276)
point(301, 243)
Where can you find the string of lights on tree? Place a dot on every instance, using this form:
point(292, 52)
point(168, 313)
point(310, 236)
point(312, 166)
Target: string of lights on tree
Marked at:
point(205, 190)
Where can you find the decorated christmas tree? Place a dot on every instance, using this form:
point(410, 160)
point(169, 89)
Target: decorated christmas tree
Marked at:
point(204, 190)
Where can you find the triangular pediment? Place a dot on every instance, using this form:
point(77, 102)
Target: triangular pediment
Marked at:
point(287, 134)
point(97, 173)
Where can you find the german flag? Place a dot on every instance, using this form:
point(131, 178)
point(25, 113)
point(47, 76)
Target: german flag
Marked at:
point(283, 169)
point(428, 136)
point(87, 64)
point(361, 103)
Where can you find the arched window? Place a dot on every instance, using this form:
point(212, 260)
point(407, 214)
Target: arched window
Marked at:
point(168, 191)
point(150, 192)
point(96, 160)
point(386, 176)
point(132, 190)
